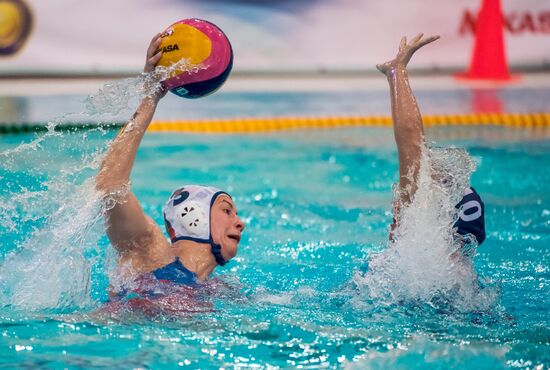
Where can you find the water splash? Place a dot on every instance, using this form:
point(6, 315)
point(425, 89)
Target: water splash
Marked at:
point(117, 97)
point(425, 263)
point(49, 270)
point(48, 222)
point(49, 210)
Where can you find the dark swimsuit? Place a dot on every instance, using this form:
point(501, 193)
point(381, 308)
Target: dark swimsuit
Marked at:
point(159, 283)
point(176, 273)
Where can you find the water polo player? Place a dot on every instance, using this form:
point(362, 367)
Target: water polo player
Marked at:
point(202, 222)
point(409, 136)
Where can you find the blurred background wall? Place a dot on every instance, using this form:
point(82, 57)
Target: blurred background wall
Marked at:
point(65, 37)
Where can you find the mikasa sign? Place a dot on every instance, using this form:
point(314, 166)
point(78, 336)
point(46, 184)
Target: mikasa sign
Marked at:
point(516, 23)
point(308, 35)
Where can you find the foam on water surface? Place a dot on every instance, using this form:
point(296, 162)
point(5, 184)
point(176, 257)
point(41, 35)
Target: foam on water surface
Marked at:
point(318, 209)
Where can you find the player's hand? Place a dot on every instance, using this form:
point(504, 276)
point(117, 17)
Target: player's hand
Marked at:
point(406, 51)
point(153, 54)
point(153, 86)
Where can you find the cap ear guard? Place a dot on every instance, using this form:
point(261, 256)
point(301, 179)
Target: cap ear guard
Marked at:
point(192, 218)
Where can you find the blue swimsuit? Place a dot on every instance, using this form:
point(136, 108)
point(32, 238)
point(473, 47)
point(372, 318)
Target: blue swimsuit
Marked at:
point(176, 273)
point(154, 285)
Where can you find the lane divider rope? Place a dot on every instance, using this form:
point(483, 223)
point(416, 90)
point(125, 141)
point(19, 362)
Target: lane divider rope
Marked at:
point(252, 125)
point(258, 125)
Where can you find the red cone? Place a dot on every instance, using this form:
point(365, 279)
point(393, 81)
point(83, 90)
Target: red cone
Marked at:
point(489, 58)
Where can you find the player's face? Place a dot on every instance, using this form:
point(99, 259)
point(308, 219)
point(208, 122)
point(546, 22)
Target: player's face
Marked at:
point(226, 226)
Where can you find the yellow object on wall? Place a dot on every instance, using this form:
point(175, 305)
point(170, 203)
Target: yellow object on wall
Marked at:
point(15, 25)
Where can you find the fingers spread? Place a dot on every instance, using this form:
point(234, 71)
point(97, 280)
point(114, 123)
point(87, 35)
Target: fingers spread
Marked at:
point(155, 37)
point(153, 46)
point(155, 58)
point(428, 40)
point(417, 38)
point(154, 53)
point(403, 43)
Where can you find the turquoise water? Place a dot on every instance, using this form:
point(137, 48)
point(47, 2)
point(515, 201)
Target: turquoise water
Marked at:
point(317, 205)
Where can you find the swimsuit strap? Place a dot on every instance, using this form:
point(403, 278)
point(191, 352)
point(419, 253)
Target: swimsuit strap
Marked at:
point(176, 272)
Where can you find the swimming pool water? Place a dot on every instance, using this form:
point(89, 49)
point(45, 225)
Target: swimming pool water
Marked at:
point(316, 205)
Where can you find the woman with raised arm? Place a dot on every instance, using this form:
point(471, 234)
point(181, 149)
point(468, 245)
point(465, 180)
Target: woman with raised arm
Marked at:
point(201, 221)
point(409, 136)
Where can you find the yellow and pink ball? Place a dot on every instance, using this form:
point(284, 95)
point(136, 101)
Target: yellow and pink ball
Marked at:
point(207, 53)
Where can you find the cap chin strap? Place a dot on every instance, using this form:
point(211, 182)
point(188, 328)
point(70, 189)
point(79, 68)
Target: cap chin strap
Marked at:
point(216, 250)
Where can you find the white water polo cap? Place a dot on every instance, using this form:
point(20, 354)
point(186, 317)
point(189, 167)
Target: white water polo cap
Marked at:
point(187, 216)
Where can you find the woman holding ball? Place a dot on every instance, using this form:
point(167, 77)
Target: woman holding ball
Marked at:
point(202, 222)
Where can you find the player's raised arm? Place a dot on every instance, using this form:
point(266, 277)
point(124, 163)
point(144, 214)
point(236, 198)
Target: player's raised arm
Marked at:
point(126, 222)
point(407, 121)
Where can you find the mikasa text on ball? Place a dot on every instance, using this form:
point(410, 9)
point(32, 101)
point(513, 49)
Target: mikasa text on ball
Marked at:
point(207, 53)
